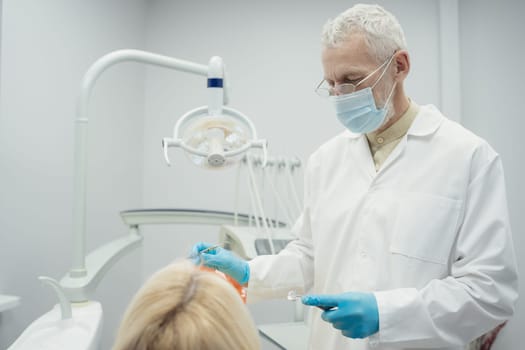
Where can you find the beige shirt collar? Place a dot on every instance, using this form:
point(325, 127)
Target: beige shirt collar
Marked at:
point(396, 130)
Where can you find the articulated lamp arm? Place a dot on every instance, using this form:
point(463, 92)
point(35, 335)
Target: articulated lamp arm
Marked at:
point(85, 273)
point(78, 276)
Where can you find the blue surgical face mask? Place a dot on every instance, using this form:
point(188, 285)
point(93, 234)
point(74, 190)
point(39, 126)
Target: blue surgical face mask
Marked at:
point(358, 110)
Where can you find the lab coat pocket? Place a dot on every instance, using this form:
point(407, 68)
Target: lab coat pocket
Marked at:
point(425, 227)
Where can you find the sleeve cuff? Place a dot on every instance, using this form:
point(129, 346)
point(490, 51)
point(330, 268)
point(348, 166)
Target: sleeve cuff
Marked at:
point(389, 304)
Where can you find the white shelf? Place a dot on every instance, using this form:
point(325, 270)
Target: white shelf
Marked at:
point(8, 302)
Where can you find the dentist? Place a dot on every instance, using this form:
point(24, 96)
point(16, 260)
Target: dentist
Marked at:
point(404, 241)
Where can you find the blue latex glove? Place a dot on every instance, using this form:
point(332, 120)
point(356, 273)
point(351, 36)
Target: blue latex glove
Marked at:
point(222, 260)
point(354, 313)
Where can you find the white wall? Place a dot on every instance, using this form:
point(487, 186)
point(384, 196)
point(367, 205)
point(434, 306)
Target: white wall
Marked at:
point(492, 76)
point(46, 48)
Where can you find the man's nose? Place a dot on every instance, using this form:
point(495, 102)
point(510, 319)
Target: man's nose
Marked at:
point(336, 90)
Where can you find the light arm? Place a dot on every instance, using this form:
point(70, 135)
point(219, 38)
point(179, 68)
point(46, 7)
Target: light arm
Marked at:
point(85, 274)
point(78, 269)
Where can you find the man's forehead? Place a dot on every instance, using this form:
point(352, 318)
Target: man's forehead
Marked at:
point(351, 54)
point(346, 59)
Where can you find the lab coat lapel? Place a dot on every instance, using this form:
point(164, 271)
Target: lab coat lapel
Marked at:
point(398, 150)
point(426, 122)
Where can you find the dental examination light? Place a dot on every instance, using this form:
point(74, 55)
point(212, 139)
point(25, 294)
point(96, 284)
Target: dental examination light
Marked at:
point(214, 135)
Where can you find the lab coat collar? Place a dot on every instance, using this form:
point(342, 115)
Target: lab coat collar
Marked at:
point(427, 121)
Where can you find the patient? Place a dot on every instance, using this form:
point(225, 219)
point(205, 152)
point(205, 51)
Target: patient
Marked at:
point(183, 307)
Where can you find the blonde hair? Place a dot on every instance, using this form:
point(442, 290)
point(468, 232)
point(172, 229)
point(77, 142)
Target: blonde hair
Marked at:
point(183, 307)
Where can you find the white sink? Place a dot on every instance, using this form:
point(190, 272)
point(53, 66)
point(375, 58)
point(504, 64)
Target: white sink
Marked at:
point(8, 302)
point(51, 332)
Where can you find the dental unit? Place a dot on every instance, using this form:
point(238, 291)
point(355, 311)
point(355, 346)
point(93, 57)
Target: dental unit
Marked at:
point(212, 136)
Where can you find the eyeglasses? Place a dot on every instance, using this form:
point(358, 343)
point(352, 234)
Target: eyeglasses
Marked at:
point(326, 90)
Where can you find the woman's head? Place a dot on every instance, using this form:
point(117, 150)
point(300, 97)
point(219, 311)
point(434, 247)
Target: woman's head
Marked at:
point(183, 307)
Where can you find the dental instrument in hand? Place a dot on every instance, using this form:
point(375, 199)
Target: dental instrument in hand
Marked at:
point(210, 248)
point(293, 296)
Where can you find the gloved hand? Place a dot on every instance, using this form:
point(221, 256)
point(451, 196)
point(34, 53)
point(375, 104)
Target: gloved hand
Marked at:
point(222, 260)
point(354, 313)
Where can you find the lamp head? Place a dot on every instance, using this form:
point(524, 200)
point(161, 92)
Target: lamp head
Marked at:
point(214, 136)
point(214, 141)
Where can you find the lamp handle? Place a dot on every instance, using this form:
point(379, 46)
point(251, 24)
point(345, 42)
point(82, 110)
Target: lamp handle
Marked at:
point(165, 142)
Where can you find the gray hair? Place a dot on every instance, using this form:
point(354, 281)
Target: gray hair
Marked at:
point(383, 33)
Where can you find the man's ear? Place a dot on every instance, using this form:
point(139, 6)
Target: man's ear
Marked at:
point(402, 65)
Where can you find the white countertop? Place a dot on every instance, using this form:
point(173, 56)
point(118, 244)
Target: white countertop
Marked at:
point(289, 336)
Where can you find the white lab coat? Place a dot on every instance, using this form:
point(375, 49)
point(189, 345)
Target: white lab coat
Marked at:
point(428, 233)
